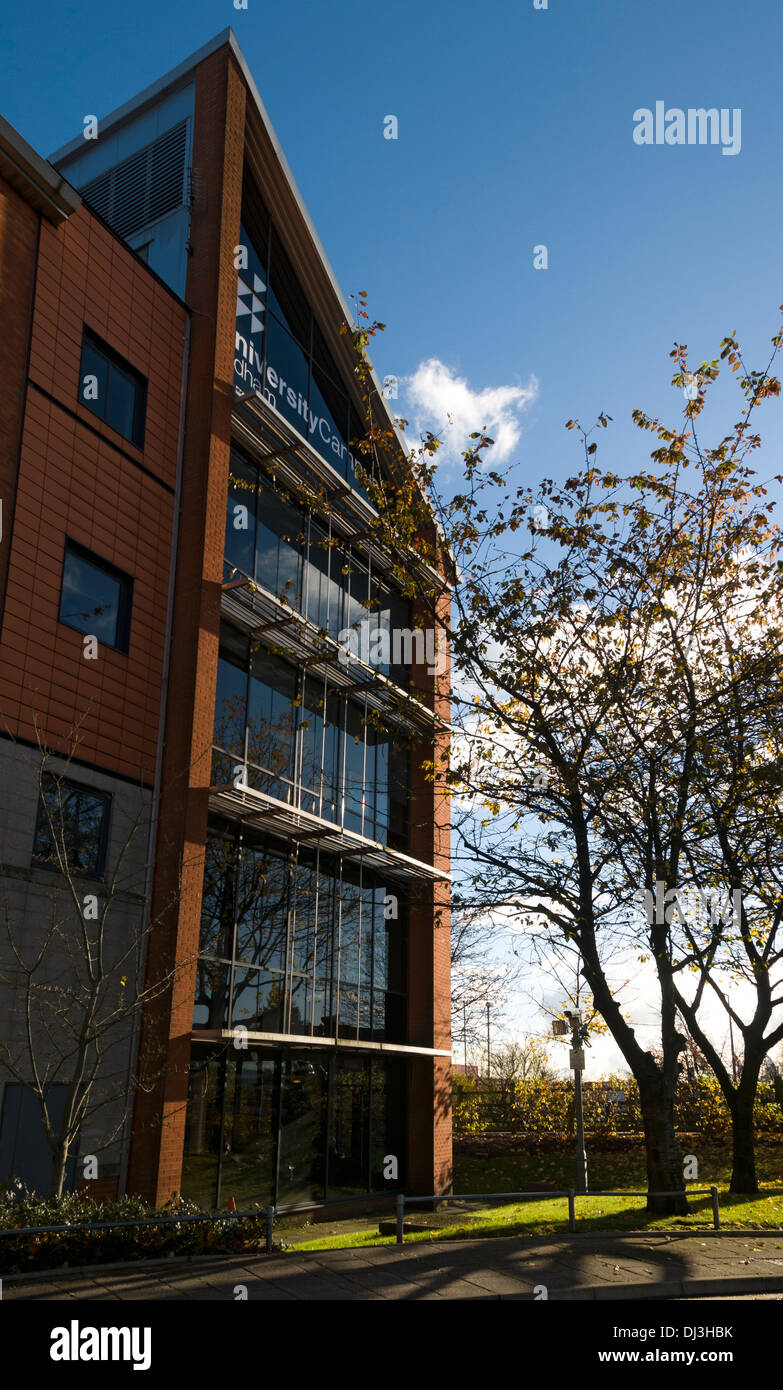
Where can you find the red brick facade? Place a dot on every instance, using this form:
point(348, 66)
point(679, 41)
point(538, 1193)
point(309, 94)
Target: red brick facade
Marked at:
point(218, 154)
point(76, 477)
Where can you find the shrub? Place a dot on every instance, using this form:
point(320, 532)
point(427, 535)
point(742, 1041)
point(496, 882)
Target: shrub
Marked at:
point(545, 1109)
point(81, 1245)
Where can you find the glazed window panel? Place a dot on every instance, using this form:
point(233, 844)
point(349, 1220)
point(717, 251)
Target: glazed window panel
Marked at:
point(262, 908)
point(393, 1026)
point(240, 540)
point(286, 297)
point(271, 724)
point(323, 1009)
point(349, 1127)
point(218, 897)
point(72, 827)
point(301, 997)
point(258, 998)
point(354, 775)
point(367, 895)
point(304, 919)
point(388, 1100)
point(329, 412)
point(348, 1020)
point(350, 932)
point(231, 697)
point(95, 598)
point(280, 1127)
point(311, 950)
point(279, 546)
point(320, 750)
point(304, 1088)
point(287, 378)
point(210, 1009)
point(325, 582)
point(250, 1126)
point(203, 1130)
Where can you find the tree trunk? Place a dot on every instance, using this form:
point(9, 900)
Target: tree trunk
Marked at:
point(743, 1168)
point(59, 1166)
point(664, 1160)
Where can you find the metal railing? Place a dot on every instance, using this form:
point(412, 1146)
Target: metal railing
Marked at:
point(267, 1213)
point(569, 1192)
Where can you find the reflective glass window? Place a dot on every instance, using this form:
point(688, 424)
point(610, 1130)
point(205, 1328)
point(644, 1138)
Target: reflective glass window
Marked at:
point(287, 378)
point(303, 1123)
point(72, 825)
point(258, 998)
point(95, 597)
point(240, 541)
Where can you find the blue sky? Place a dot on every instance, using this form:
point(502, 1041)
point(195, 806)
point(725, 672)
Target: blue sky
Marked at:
point(515, 130)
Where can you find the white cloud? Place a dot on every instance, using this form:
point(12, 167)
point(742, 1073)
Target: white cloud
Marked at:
point(435, 394)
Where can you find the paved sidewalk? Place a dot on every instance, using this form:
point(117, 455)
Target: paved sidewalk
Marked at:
point(568, 1267)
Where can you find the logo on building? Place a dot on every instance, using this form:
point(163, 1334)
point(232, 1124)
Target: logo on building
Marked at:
point(249, 302)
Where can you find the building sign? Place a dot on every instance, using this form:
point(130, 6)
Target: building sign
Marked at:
point(268, 358)
point(249, 343)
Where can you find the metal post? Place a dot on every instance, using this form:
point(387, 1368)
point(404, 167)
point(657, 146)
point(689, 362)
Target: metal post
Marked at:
point(270, 1229)
point(715, 1208)
point(400, 1216)
point(571, 1211)
point(465, 1037)
point(581, 1152)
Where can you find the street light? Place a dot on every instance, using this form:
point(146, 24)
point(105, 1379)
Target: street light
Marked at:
point(560, 1028)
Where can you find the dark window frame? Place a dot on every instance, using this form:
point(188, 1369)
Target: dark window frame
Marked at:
point(121, 643)
point(119, 364)
point(37, 860)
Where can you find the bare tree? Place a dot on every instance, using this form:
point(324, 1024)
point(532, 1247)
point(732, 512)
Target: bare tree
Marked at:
point(522, 1059)
point(73, 979)
point(482, 977)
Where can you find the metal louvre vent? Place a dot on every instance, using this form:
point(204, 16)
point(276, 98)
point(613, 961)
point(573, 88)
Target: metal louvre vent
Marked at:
point(144, 186)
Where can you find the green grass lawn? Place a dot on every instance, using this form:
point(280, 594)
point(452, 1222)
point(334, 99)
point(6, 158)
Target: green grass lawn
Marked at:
point(549, 1216)
point(513, 1172)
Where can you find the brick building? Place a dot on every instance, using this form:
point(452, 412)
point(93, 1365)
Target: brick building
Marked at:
point(88, 491)
point(277, 699)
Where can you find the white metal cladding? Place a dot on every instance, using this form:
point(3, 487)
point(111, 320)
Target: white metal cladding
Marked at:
point(143, 187)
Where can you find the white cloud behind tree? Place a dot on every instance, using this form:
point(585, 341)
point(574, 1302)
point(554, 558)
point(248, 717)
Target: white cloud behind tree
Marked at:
point(438, 399)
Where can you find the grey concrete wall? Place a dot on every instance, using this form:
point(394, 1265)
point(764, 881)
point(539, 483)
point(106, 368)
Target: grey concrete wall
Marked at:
point(35, 902)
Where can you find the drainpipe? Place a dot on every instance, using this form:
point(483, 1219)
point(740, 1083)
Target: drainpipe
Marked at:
point(154, 809)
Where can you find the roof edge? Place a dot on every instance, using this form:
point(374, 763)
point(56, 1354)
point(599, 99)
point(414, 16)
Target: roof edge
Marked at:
point(35, 178)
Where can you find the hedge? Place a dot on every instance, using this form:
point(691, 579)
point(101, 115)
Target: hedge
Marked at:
point(81, 1246)
point(539, 1108)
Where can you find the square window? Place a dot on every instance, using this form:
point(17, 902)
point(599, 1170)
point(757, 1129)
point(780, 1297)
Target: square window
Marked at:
point(72, 826)
point(96, 597)
point(112, 389)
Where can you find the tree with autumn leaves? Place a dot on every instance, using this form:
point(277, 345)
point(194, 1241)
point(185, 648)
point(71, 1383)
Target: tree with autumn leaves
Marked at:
point(617, 647)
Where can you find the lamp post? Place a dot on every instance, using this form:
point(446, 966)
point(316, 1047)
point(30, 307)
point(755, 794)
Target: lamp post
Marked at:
point(561, 1027)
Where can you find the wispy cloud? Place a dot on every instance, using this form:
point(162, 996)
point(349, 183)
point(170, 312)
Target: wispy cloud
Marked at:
point(439, 400)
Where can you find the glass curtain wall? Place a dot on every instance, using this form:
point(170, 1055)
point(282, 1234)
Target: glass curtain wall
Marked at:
point(290, 1127)
point(290, 736)
point(296, 945)
point(281, 351)
point(289, 553)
